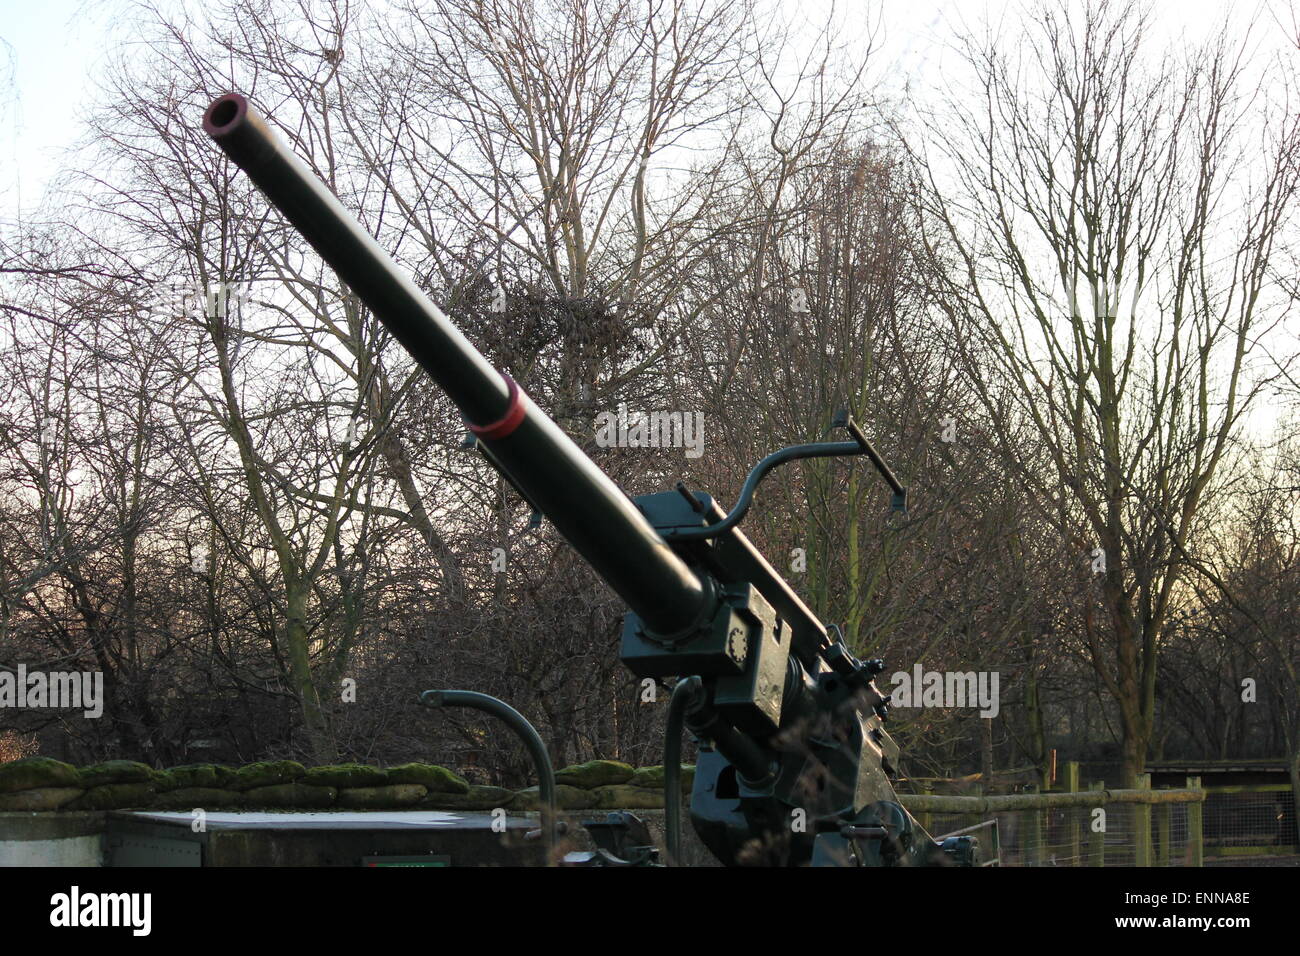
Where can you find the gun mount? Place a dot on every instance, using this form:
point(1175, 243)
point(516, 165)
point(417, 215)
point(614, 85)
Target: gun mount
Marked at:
point(794, 759)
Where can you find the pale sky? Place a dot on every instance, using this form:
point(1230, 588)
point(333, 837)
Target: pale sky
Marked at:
point(55, 46)
point(52, 49)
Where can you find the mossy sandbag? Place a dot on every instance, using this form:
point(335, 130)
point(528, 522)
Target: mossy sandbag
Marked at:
point(652, 778)
point(393, 796)
point(267, 773)
point(432, 778)
point(40, 798)
point(626, 797)
point(31, 773)
point(204, 775)
point(198, 798)
point(477, 798)
point(289, 796)
point(347, 775)
point(116, 771)
point(595, 773)
point(566, 798)
point(115, 796)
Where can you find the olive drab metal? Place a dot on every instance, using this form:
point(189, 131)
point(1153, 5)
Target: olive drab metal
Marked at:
point(795, 762)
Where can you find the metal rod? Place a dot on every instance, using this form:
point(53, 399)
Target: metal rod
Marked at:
point(756, 475)
point(684, 693)
point(870, 452)
point(526, 732)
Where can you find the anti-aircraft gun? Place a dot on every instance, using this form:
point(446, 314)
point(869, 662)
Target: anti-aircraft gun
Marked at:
point(795, 761)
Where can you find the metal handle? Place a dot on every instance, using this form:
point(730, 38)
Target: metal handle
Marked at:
point(859, 446)
point(526, 732)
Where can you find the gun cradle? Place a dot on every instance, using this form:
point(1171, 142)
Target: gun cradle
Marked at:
point(795, 759)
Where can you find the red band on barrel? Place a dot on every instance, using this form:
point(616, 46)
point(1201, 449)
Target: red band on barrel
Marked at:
point(508, 422)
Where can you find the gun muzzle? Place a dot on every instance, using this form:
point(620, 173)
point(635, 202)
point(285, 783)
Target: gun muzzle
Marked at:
point(585, 505)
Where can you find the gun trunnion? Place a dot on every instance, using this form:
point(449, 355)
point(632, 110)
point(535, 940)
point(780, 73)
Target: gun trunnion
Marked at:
point(794, 756)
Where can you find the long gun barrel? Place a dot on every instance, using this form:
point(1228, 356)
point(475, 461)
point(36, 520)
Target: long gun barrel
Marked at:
point(583, 503)
point(788, 718)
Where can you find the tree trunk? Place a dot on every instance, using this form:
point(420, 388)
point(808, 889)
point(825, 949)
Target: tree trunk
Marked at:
point(297, 646)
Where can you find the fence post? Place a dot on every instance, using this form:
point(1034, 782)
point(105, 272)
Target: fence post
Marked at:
point(1164, 829)
point(1072, 786)
point(1097, 839)
point(995, 836)
point(1034, 835)
point(1195, 840)
point(926, 818)
point(1142, 825)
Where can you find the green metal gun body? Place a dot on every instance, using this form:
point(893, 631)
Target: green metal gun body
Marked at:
point(794, 757)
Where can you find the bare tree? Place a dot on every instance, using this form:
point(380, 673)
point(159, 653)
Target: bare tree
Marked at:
point(1106, 220)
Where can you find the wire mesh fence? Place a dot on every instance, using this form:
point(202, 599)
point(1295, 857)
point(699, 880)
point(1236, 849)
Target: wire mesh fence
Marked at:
point(1250, 820)
point(1138, 827)
point(1074, 836)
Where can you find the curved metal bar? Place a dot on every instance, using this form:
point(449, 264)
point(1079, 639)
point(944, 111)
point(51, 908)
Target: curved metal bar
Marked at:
point(683, 695)
point(756, 475)
point(525, 731)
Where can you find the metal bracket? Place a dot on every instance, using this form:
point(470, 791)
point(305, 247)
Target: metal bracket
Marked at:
point(471, 443)
point(859, 446)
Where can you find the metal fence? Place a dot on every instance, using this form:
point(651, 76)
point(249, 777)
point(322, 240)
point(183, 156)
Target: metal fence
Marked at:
point(1076, 827)
point(1069, 836)
point(1252, 820)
